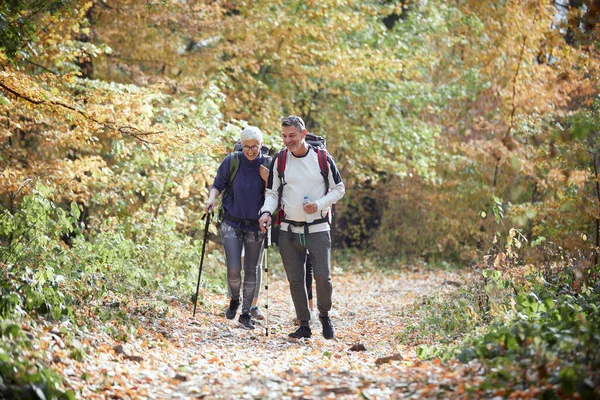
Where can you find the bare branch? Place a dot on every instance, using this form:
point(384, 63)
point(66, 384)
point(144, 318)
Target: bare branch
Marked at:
point(125, 130)
point(42, 67)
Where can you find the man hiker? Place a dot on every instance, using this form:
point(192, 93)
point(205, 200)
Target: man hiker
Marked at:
point(305, 222)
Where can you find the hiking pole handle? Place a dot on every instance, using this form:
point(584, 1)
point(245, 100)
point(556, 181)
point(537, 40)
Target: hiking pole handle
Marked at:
point(206, 226)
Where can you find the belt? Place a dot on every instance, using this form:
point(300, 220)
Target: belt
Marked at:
point(298, 224)
point(245, 222)
point(304, 224)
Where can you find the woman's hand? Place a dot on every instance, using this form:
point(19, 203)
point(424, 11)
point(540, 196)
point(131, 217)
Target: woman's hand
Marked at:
point(210, 203)
point(264, 173)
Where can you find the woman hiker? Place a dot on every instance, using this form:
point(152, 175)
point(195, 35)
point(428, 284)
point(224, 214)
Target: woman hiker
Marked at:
point(243, 198)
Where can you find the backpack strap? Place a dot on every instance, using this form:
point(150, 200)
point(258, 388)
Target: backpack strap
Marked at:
point(282, 161)
point(266, 161)
point(234, 166)
point(324, 167)
point(282, 156)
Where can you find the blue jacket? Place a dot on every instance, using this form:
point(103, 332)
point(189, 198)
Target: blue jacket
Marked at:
point(247, 194)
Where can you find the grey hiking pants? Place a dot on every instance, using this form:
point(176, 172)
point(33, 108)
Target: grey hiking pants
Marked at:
point(233, 242)
point(293, 255)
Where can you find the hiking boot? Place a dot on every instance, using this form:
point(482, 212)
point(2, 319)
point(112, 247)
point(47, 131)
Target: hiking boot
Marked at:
point(245, 321)
point(328, 330)
point(232, 310)
point(256, 314)
point(301, 332)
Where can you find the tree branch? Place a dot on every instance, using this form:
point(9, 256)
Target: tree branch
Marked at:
point(124, 130)
point(514, 80)
point(42, 67)
point(565, 6)
point(42, 6)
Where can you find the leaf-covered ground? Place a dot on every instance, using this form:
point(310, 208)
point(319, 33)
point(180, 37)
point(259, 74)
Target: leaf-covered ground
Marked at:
point(210, 357)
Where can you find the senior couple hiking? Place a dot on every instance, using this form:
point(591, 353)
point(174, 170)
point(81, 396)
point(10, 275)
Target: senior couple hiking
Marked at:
point(304, 237)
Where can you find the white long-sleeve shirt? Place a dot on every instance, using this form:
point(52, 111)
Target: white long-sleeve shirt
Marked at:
point(302, 177)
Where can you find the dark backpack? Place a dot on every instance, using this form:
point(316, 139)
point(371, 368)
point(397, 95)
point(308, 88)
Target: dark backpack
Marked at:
point(234, 167)
point(319, 145)
point(318, 142)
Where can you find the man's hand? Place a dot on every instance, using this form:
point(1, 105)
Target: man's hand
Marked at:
point(264, 222)
point(310, 208)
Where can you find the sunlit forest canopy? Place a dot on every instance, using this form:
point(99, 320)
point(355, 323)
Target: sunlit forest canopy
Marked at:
point(436, 112)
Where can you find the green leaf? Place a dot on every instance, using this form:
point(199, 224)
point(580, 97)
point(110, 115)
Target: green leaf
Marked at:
point(425, 352)
point(12, 330)
point(75, 212)
point(4, 357)
point(537, 241)
point(4, 101)
point(580, 130)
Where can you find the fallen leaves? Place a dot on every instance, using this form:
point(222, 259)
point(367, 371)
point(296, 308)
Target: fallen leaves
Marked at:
point(208, 356)
point(358, 347)
point(118, 349)
point(384, 360)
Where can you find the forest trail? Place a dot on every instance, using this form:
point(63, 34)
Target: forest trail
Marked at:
point(180, 357)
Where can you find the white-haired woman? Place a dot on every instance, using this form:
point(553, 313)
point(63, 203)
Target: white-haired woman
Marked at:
point(242, 200)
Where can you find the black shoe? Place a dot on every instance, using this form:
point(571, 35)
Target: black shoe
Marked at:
point(245, 321)
point(328, 330)
point(301, 332)
point(232, 310)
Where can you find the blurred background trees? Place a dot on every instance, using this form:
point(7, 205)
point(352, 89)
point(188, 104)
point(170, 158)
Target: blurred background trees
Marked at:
point(450, 122)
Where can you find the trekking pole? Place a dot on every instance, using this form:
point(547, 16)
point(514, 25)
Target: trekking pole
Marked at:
point(206, 225)
point(267, 243)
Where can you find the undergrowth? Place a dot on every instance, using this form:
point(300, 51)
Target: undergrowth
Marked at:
point(529, 326)
point(52, 269)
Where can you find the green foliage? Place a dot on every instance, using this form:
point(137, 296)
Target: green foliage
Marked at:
point(23, 374)
point(446, 318)
point(160, 259)
point(42, 275)
point(559, 332)
point(17, 24)
point(545, 335)
point(32, 280)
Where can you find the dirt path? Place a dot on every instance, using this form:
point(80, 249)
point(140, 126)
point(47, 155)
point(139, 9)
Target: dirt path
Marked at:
point(210, 357)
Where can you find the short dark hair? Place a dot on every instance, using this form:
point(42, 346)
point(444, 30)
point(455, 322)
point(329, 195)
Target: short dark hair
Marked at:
point(293, 120)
